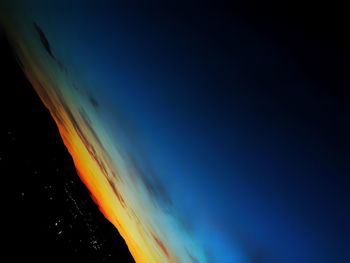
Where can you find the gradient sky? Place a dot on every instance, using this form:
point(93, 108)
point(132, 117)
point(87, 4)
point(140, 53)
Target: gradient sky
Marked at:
point(219, 118)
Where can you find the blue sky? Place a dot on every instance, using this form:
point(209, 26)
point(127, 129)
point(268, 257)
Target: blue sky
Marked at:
point(246, 145)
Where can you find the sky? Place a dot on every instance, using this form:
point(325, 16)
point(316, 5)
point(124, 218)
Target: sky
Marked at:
point(235, 125)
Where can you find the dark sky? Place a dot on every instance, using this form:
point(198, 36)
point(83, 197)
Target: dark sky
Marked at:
point(287, 102)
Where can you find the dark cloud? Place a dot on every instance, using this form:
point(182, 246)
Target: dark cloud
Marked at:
point(43, 40)
point(93, 102)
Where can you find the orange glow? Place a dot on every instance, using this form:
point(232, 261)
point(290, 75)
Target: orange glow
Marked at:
point(151, 234)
